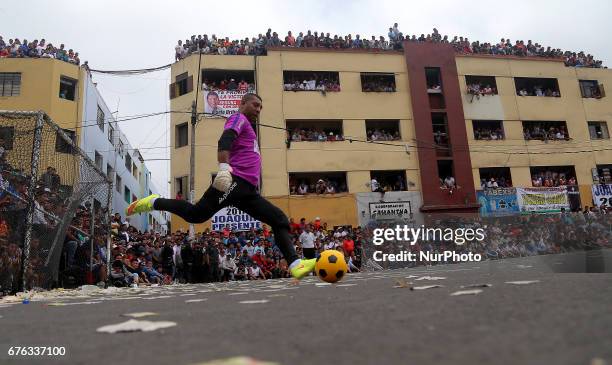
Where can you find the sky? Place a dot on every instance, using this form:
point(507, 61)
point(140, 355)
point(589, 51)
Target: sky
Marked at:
point(136, 34)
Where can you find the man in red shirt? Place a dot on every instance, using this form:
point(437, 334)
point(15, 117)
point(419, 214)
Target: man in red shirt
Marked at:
point(293, 227)
point(348, 245)
point(289, 40)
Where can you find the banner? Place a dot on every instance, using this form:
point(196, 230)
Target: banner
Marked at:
point(400, 210)
point(602, 195)
point(222, 102)
point(235, 219)
point(542, 200)
point(497, 201)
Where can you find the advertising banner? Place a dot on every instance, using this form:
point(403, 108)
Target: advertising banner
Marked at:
point(542, 200)
point(222, 102)
point(602, 195)
point(235, 219)
point(400, 210)
point(497, 201)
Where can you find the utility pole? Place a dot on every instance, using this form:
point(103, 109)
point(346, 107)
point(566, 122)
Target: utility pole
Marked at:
point(194, 120)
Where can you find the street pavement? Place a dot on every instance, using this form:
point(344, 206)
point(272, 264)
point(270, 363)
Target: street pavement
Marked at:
point(560, 316)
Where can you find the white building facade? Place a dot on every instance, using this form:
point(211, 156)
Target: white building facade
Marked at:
point(105, 144)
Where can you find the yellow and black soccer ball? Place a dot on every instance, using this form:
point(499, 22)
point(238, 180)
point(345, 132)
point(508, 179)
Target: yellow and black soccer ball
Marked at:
point(331, 266)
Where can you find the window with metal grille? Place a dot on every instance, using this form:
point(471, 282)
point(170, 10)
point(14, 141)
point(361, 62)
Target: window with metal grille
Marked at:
point(10, 83)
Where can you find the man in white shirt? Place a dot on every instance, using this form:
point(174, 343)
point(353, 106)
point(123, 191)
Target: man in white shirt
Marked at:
point(255, 273)
point(178, 51)
point(307, 239)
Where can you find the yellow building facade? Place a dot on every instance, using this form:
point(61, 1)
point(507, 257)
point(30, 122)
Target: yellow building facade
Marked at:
point(355, 108)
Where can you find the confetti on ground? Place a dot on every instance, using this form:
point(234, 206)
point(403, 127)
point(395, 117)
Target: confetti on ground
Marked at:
point(322, 284)
point(194, 300)
point(432, 278)
point(61, 304)
point(467, 292)
point(477, 286)
point(242, 360)
point(522, 282)
point(237, 293)
point(276, 295)
point(402, 283)
point(187, 295)
point(254, 301)
point(159, 297)
point(135, 326)
point(425, 287)
point(343, 285)
point(523, 266)
point(139, 314)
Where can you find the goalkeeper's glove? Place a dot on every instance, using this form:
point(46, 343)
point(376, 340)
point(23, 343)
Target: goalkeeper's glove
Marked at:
point(223, 180)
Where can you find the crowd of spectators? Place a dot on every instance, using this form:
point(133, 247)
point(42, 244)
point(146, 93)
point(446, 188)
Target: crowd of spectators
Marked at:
point(16, 48)
point(312, 84)
point(393, 42)
point(228, 84)
point(539, 132)
point(377, 84)
point(489, 133)
point(509, 236)
point(152, 259)
point(315, 135)
point(382, 135)
point(538, 91)
point(321, 186)
point(495, 182)
point(478, 90)
point(551, 179)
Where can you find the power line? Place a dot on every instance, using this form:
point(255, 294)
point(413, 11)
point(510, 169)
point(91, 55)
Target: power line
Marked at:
point(131, 72)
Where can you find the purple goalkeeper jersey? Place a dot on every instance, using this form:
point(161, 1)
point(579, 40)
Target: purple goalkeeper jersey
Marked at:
point(244, 155)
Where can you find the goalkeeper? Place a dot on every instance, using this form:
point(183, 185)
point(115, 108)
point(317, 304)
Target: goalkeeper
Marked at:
point(236, 184)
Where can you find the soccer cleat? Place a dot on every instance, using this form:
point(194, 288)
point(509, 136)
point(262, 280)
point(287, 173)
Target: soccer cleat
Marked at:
point(141, 205)
point(303, 268)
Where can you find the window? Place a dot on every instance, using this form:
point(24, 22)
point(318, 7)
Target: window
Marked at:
point(222, 80)
point(377, 82)
point(488, 130)
point(603, 174)
point(111, 134)
point(478, 86)
point(63, 146)
point(181, 186)
point(311, 81)
point(433, 79)
point(315, 130)
point(110, 172)
point(598, 130)
point(128, 162)
point(383, 130)
point(549, 176)
point(304, 183)
point(532, 86)
point(118, 183)
point(182, 135)
point(135, 171)
point(99, 160)
point(126, 195)
point(7, 136)
point(390, 180)
point(495, 177)
point(134, 198)
point(67, 88)
point(10, 83)
point(100, 118)
point(445, 171)
point(440, 134)
point(591, 89)
point(545, 131)
point(121, 148)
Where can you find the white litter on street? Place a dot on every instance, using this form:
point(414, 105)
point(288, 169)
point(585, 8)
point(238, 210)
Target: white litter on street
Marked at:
point(467, 292)
point(254, 301)
point(139, 314)
point(133, 325)
point(522, 282)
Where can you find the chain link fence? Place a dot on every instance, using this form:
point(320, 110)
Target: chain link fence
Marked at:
point(54, 206)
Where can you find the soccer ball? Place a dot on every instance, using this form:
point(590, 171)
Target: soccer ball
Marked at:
point(330, 266)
